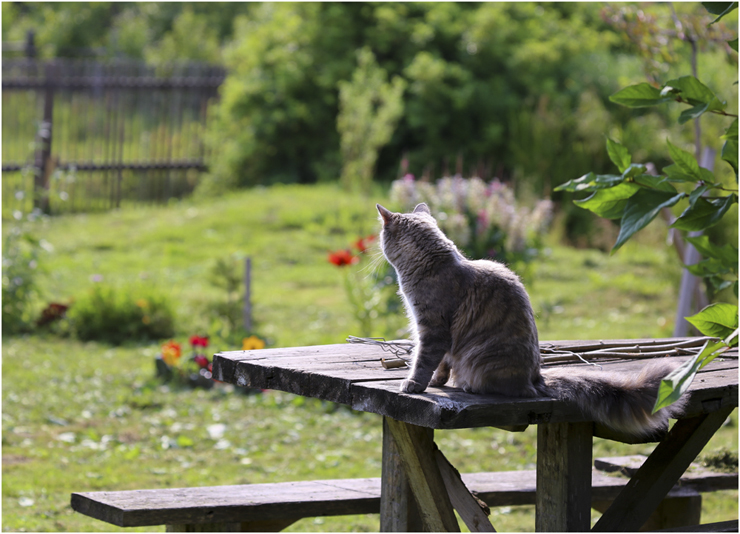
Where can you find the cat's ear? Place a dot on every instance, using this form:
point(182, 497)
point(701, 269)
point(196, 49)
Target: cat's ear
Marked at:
point(422, 208)
point(384, 213)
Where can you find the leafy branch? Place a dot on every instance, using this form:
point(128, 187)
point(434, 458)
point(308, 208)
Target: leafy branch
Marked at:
point(636, 197)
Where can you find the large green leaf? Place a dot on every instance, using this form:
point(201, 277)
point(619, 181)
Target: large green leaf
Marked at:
point(685, 161)
point(726, 254)
point(642, 208)
point(609, 203)
point(704, 213)
point(639, 96)
point(719, 8)
point(718, 320)
point(659, 183)
point(696, 93)
point(678, 381)
point(619, 154)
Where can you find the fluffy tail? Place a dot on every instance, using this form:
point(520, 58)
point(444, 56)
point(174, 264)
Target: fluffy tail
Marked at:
point(623, 402)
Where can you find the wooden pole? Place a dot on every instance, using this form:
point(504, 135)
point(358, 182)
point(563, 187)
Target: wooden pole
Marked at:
point(248, 294)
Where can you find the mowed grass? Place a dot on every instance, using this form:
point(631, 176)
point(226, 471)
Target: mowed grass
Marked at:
point(89, 416)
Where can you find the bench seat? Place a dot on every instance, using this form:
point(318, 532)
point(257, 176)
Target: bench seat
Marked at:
point(274, 506)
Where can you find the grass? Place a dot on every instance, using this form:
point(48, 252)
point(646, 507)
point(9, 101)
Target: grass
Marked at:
point(89, 416)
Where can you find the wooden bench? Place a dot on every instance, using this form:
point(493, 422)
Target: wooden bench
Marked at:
point(273, 507)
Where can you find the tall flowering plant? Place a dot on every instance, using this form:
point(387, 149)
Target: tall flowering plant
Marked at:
point(364, 286)
point(482, 218)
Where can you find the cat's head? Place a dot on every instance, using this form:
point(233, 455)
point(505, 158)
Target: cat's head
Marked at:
point(411, 235)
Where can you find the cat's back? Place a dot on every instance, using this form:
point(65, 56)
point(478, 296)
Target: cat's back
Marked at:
point(490, 272)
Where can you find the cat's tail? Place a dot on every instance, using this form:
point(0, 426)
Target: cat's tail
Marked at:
point(623, 402)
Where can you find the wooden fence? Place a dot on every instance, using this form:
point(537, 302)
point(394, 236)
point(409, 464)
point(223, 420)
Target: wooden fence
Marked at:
point(88, 135)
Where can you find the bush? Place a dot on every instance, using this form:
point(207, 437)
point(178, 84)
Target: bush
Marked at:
point(20, 268)
point(120, 315)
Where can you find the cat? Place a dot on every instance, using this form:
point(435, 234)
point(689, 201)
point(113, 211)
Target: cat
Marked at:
point(472, 321)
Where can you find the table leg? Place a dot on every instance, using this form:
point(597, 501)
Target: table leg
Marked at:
point(417, 454)
point(662, 469)
point(398, 510)
point(563, 500)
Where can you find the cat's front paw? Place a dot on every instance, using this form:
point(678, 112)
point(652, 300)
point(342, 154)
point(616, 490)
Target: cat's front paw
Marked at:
point(412, 386)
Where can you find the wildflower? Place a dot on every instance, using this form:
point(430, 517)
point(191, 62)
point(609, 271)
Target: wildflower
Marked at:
point(142, 303)
point(198, 341)
point(171, 352)
point(53, 312)
point(363, 243)
point(252, 343)
point(202, 361)
point(340, 258)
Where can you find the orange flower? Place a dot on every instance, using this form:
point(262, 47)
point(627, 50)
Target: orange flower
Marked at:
point(340, 258)
point(252, 343)
point(171, 352)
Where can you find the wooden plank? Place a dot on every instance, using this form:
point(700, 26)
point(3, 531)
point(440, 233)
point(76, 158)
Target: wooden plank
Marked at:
point(564, 477)
point(416, 450)
point(660, 472)
point(473, 511)
point(398, 509)
point(230, 504)
point(696, 477)
point(275, 525)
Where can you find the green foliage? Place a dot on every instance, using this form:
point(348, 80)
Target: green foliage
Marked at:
point(636, 197)
point(369, 108)
point(122, 315)
point(21, 252)
point(227, 274)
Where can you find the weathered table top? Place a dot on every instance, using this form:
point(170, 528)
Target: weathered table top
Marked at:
point(352, 374)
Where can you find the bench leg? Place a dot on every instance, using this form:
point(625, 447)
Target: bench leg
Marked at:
point(274, 525)
point(563, 499)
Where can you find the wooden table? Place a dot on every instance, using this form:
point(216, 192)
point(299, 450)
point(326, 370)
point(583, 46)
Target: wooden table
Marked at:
point(420, 487)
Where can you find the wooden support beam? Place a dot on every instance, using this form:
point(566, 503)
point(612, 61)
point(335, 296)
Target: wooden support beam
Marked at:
point(273, 525)
point(472, 510)
point(660, 472)
point(564, 477)
point(398, 510)
point(416, 448)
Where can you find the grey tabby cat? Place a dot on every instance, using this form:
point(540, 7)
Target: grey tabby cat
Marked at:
point(472, 321)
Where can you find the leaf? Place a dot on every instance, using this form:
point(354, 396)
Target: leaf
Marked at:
point(733, 44)
point(678, 381)
point(697, 94)
point(675, 174)
point(642, 208)
point(639, 96)
point(730, 148)
point(659, 183)
point(719, 8)
point(609, 203)
point(590, 182)
point(704, 213)
point(685, 161)
point(634, 169)
point(726, 254)
point(717, 320)
point(184, 441)
point(619, 154)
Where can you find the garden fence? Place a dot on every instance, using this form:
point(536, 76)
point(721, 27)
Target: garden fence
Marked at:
point(87, 135)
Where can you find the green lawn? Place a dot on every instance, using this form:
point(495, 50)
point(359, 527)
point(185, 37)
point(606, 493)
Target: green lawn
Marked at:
point(89, 416)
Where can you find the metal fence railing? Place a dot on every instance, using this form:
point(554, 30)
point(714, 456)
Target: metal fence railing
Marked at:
point(85, 135)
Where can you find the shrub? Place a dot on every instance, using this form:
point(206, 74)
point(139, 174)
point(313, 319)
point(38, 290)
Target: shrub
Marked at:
point(20, 269)
point(120, 315)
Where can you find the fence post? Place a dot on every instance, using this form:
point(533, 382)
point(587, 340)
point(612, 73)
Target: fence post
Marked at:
point(42, 163)
point(29, 47)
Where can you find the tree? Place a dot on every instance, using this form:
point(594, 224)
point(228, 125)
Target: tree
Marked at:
point(369, 108)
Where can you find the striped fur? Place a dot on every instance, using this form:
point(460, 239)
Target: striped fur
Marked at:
point(473, 324)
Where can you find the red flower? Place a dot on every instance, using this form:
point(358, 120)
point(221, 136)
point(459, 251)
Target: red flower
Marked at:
point(51, 313)
point(197, 341)
point(202, 361)
point(363, 243)
point(340, 258)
